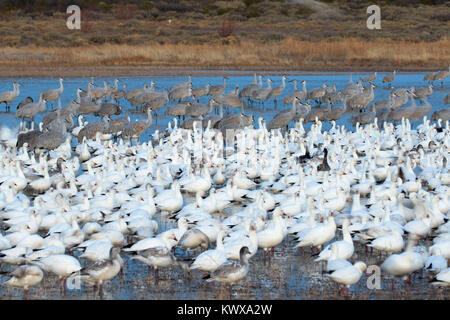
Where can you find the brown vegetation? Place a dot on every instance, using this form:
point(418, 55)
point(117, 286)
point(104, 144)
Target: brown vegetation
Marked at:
point(238, 34)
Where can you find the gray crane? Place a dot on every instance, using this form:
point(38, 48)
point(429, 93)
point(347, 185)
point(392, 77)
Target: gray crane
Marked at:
point(283, 118)
point(276, 91)
point(218, 89)
point(24, 101)
point(370, 78)
point(182, 85)
point(297, 93)
point(317, 94)
point(9, 96)
point(52, 138)
point(196, 110)
point(92, 128)
point(423, 92)
point(108, 109)
point(53, 94)
point(129, 95)
point(178, 109)
point(30, 110)
point(200, 91)
point(180, 93)
point(443, 114)
point(157, 102)
point(389, 78)
point(247, 91)
point(262, 93)
point(119, 94)
point(441, 76)
point(133, 130)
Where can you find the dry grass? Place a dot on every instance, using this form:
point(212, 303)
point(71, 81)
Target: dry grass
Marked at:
point(286, 54)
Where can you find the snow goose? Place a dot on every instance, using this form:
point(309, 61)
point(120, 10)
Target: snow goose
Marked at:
point(349, 275)
point(172, 202)
point(166, 239)
point(25, 276)
point(442, 278)
point(273, 235)
point(343, 248)
point(193, 238)
point(403, 264)
point(96, 250)
point(157, 257)
point(210, 260)
point(233, 247)
point(319, 234)
point(60, 264)
point(232, 270)
point(104, 269)
point(391, 242)
point(435, 263)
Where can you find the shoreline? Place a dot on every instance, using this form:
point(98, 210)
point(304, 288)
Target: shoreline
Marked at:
point(143, 71)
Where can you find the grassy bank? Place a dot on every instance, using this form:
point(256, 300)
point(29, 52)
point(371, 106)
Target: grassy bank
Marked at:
point(288, 54)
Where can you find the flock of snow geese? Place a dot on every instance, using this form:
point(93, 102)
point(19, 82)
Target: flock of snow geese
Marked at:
point(78, 210)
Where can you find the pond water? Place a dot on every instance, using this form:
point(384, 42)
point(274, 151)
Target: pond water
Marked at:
point(290, 274)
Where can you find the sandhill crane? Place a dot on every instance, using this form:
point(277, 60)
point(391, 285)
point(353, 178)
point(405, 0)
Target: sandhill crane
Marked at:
point(119, 94)
point(181, 93)
point(442, 75)
point(196, 110)
point(443, 114)
point(335, 113)
point(403, 112)
point(24, 102)
point(66, 114)
point(246, 92)
point(299, 94)
point(9, 96)
point(144, 96)
point(83, 97)
point(133, 130)
point(157, 102)
point(129, 95)
point(334, 97)
point(423, 92)
point(214, 118)
point(90, 107)
point(52, 138)
point(92, 128)
point(317, 94)
point(234, 118)
point(360, 101)
point(276, 91)
point(218, 89)
point(389, 78)
point(30, 110)
point(200, 91)
point(262, 93)
point(230, 99)
point(365, 117)
point(116, 126)
point(178, 109)
point(53, 94)
point(352, 89)
point(282, 119)
point(370, 78)
point(429, 76)
point(420, 111)
point(98, 93)
point(111, 89)
point(108, 109)
point(182, 85)
point(399, 98)
point(28, 136)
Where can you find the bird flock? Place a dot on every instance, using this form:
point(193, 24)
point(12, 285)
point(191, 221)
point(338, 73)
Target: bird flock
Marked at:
point(232, 190)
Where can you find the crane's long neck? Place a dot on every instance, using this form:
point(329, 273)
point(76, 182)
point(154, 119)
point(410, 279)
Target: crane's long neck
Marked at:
point(283, 82)
point(61, 87)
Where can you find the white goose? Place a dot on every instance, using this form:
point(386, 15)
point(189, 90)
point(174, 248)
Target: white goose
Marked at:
point(210, 260)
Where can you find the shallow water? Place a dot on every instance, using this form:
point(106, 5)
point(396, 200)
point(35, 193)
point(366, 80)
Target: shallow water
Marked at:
point(290, 274)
